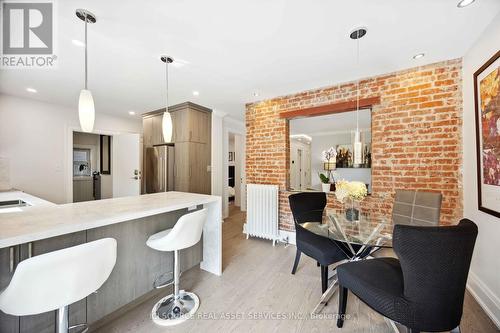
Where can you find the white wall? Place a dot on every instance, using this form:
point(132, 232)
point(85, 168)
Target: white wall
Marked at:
point(33, 138)
point(484, 277)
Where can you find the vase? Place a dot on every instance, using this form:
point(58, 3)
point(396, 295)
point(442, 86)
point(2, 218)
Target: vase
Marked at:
point(352, 210)
point(325, 187)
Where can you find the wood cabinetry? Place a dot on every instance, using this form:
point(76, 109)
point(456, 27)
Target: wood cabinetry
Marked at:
point(192, 139)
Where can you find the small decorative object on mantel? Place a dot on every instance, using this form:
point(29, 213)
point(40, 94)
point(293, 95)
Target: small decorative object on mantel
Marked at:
point(487, 105)
point(325, 182)
point(351, 194)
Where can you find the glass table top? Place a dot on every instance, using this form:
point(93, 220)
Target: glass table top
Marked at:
point(370, 228)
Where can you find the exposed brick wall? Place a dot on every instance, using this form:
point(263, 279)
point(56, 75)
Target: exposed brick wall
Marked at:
point(416, 136)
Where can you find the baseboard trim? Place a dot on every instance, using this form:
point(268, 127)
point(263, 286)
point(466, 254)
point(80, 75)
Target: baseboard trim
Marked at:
point(287, 237)
point(485, 297)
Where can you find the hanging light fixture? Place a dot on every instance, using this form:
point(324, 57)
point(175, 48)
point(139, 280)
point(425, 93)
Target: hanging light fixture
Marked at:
point(167, 119)
point(86, 110)
point(357, 34)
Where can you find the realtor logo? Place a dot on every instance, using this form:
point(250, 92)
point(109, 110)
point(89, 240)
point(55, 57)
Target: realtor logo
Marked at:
point(27, 31)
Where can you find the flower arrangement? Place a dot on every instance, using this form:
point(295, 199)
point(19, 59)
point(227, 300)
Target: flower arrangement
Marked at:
point(330, 155)
point(354, 190)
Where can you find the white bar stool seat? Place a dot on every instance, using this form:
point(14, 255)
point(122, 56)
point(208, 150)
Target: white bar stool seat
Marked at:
point(181, 305)
point(54, 280)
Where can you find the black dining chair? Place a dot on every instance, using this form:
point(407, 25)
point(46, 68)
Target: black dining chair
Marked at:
point(309, 207)
point(423, 290)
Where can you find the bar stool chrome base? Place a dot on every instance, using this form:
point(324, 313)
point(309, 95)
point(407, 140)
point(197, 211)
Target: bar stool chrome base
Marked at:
point(169, 311)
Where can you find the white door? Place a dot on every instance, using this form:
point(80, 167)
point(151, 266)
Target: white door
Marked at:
point(243, 177)
point(126, 168)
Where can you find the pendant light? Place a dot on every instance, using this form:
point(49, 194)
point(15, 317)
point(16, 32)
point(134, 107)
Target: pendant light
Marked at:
point(166, 123)
point(357, 34)
point(86, 110)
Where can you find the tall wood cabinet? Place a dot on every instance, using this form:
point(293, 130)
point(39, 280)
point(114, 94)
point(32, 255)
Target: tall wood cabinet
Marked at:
point(192, 130)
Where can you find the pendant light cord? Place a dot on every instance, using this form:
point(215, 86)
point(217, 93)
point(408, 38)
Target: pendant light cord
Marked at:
point(166, 74)
point(357, 90)
point(86, 18)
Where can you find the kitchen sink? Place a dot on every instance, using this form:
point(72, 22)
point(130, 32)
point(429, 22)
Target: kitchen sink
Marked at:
point(11, 206)
point(13, 203)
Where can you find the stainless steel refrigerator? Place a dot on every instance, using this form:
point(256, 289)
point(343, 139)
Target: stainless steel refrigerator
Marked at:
point(160, 163)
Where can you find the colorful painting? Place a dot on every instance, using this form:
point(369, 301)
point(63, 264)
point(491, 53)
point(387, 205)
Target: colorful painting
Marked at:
point(487, 99)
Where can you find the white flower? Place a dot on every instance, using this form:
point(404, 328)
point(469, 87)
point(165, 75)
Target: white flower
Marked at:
point(329, 155)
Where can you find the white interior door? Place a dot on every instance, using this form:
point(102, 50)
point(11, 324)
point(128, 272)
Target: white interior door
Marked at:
point(243, 177)
point(126, 168)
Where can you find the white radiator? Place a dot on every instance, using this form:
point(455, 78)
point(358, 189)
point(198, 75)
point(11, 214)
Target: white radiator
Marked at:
point(262, 212)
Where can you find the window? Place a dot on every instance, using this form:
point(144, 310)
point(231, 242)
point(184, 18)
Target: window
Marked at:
point(310, 137)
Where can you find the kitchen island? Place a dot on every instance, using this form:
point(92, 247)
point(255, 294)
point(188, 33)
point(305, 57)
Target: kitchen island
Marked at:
point(44, 228)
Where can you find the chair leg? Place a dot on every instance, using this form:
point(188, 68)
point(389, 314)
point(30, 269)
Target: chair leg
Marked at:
point(62, 320)
point(342, 305)
point(296, 263)
point(177, 274)
point(324, 278)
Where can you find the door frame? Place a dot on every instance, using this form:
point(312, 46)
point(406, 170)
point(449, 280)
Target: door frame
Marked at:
point(225, 165)
point(68, 152)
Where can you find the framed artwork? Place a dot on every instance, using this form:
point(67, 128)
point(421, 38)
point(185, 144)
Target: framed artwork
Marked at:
point(487, 107)
point(105, 154)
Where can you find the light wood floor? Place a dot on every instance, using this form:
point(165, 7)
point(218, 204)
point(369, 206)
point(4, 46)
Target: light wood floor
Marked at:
point(257, 280)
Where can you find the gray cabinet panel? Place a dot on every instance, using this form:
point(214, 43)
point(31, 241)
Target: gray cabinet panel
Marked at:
point(8, 323)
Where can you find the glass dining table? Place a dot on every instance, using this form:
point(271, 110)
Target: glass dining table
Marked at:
point(358, 236)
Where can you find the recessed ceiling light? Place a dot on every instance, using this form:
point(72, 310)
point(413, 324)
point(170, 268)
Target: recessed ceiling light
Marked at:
point(256, 94)
point(78, 43)
point(418, 56)
point(31, 90)
point(132, 113)
point(196, 93)
point(465, 3)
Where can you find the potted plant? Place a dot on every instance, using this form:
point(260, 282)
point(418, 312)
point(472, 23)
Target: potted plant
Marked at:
point(325, 182)
point(329, 158)
point(351, 194)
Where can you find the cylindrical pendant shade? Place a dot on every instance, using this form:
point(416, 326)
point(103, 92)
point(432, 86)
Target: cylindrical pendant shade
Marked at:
point(86, 110)
point(357, 148)
point(167, 127)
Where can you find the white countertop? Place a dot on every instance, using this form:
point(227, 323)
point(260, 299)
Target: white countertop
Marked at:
point(31, 200)
point(45, 220)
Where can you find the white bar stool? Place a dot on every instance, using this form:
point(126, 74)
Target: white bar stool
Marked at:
point(181, 305)
point(54, 280)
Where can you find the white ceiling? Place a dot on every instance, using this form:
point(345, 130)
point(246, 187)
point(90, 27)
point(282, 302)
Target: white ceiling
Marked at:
point(339, 122)
point(237, 47)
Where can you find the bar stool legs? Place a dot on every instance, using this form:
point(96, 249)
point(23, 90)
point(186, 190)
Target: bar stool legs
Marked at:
point(177, 307)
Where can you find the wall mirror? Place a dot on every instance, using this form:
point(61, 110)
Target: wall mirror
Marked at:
point(311, 137)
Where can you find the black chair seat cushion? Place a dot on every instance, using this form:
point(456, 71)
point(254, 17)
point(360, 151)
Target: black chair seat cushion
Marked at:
point(379, 283)
point(323, 251)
